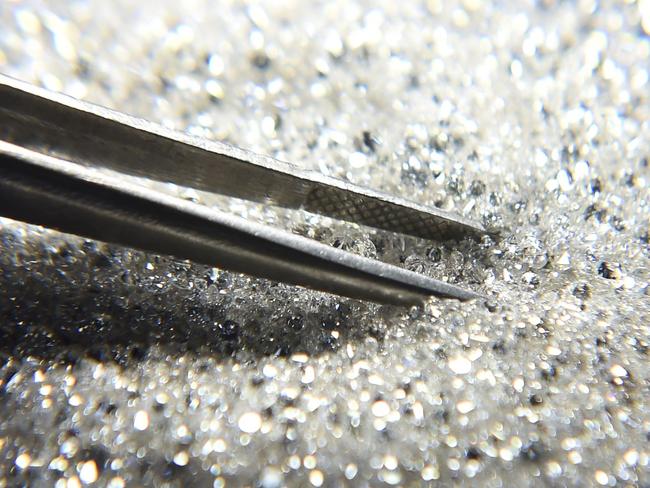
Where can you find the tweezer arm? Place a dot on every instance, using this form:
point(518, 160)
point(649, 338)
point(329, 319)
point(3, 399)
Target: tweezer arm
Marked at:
point(48, 191)
point(84, 133)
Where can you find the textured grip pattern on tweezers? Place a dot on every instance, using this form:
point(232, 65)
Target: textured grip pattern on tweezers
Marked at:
point(382, 214)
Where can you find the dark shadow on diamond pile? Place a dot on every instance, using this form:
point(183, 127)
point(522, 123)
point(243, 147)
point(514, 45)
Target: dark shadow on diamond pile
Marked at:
point(62, 298)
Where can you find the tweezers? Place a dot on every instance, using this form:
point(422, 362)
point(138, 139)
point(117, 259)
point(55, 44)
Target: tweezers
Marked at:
point(52, 148)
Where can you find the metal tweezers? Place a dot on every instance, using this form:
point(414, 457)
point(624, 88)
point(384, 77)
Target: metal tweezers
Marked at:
point(51, 146)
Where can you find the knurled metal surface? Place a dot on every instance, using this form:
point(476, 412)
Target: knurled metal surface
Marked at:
point(380, 214)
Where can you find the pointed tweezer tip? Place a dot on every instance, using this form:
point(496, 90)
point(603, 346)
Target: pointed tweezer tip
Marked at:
point(443, 290)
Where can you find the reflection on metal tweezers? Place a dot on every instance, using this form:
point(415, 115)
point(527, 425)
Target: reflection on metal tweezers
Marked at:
point(50, 145)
